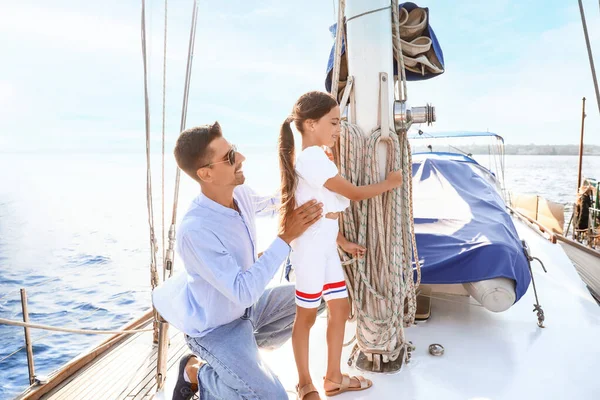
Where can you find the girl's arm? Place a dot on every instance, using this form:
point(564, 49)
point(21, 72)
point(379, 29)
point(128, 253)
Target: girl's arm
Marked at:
point(341, 186)
point(349, 247)
point(341, 239)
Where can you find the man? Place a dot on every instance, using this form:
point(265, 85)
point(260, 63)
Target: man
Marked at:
point(220, 301)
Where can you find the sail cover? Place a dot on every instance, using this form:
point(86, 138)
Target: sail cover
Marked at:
point(435, 53)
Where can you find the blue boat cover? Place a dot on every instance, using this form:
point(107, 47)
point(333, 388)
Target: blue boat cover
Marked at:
point(410, 76)
point(462, 228)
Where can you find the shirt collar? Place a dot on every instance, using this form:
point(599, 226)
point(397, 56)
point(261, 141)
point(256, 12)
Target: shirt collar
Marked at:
point(205, 202)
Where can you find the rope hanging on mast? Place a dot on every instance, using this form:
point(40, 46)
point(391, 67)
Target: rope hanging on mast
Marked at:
point(400, 92)
point(338, 49)
point(384, 281)
point(405, 144)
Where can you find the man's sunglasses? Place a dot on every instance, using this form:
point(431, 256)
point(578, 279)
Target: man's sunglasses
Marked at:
point(230, 158)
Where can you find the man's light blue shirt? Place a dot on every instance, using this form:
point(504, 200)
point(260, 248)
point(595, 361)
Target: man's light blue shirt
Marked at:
point(223, 275)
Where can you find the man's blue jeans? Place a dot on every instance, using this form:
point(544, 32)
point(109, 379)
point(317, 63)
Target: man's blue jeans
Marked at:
point(234, 368)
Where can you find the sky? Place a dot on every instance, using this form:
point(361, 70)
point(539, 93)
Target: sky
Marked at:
point(71, 77)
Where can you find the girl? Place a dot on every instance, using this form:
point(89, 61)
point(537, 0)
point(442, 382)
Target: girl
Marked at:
point(319, 273)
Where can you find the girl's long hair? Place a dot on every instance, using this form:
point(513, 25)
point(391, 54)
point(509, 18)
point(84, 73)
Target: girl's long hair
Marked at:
point(312, 105)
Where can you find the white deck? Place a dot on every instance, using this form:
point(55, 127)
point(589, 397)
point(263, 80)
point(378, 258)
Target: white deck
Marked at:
point(487, 355)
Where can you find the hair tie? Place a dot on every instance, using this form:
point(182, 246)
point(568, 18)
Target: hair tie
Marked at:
point(289, 119)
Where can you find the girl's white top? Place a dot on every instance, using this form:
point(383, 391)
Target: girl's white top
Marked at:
point(314, 168)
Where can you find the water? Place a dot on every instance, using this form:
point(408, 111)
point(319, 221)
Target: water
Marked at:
point(552, 177)
point(74, 232)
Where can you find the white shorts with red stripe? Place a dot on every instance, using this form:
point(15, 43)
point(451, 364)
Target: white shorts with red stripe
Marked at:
point(317, 265)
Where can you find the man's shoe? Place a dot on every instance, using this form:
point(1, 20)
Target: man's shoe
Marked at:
point(183, 390)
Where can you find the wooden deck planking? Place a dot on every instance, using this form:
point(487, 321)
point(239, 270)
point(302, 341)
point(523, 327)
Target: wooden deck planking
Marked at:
point(124, 385)
point(148, 377)
point(175, 354)
point(126, 371)
point(136, 357)
point(71, 386)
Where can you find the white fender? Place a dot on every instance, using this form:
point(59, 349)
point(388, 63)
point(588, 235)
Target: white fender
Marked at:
point(496, 294)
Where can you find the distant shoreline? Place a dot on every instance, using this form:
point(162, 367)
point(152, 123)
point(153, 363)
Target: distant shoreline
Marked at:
point(523, 150)
point(552, 150)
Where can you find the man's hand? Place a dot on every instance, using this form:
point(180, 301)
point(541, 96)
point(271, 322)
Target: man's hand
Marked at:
point(300, 220)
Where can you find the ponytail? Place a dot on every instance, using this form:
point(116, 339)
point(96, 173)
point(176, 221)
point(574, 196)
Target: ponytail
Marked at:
point(289, 179)
point(312, 105)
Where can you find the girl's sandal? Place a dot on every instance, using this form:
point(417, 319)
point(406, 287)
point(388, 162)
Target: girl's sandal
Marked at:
point(344, 386)
point(301, 392)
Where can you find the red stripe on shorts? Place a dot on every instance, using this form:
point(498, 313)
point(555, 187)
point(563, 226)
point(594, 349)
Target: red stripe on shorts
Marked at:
point(308, 295)
point(335, 285)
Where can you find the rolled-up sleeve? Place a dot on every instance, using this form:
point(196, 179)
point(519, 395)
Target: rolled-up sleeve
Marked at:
point(264, 206)
point(204, 255)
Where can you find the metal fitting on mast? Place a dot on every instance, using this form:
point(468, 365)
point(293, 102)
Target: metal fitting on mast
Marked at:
point(404, 116)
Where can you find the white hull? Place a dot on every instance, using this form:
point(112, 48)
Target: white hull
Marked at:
point(587, 262)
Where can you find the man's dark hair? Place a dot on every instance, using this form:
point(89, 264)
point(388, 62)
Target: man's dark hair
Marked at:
point(192, 148)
